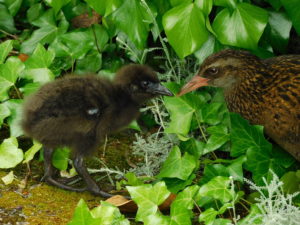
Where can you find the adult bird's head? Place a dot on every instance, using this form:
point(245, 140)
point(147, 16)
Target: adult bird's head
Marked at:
point(141, 82)
point(225, 69)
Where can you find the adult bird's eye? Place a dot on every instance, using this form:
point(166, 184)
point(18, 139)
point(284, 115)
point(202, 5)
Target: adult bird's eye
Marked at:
point(144, 83)
point(212, 70)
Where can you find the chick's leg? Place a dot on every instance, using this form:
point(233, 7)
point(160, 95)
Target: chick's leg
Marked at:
point(50, 170)
point(83, 172)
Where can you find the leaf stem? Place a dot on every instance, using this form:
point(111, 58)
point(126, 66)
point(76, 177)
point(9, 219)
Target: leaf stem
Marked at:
point(8, 34)
point(18, 92)
point(96, 42)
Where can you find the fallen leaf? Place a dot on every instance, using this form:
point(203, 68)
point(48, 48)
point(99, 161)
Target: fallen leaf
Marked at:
point(129, 206)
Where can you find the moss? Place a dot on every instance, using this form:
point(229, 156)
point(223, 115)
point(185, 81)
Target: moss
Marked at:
point(44, 204)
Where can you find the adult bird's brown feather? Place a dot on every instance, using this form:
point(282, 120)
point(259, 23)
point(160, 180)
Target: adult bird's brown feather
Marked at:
point(266, 92)
point(78, 111)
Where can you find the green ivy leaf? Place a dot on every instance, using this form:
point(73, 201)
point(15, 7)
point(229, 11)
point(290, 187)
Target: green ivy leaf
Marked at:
point(5, 48)
point(242, 28)
point(291, 182)
point(185, 28)
point(30, 88)
point(34, 12)
point(193, 147)
point(47, 32)
point(218, 137)
point(4, 112)
point(40, 75)
point(14, 120)
point(57, 4)
point(10, 154)
point(83, 216)
point(245, 137)
point(40, 58)
point(178, 2)
point(181, 109)
point(148, 198)
point(106, 7)
point(226, 3)
point(209, 113)
point(280, 27)
point(29, 154)
point(60, 158)
point(292, 8)
point(74, 44)
point(109, 214)
point(217, 188)
point(13, 6)
point(177, 166)
point(9, 73)
point(90, 63)
point(137, 29)
point(204, 5)
point(6, 20)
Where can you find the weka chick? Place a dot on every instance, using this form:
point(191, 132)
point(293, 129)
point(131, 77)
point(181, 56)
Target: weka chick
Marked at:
point(265, 92)
point(78, 111)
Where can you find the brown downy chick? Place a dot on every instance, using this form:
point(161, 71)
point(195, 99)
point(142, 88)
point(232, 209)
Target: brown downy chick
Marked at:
point(78, 111)
point(265, 92)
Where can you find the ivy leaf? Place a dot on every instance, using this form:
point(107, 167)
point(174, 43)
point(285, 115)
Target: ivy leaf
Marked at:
point(181, 207)
point(60, 158)
point(178, 2)
point(109, 214)
point(205, 6)
point(137, 29)
point(5, 48)
point(40, 75)
point(193, 147)
point(9, 73)
point(57, 4)
point(181, 109)
point(6, 20)
point(74, 44)
point(244, 137)
point(4, 112)
point(83, 216)
point(106, 7)
point(291, 182)
point(47, 32)
point(180, 25)
point(217, 188)
point(30, 88)
point(40, 58)
point(292, 8)
point(34, 12)
point(241, 28)
point(209, 113)
point(10, 154)
point(13, 6)
point(280, 27)
point(29, 154)
point(177, 166)
point(14, 120)
point(157, 218)
point(148, 198)
point(219, 136)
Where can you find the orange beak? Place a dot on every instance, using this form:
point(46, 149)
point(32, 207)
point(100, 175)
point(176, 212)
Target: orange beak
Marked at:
point(193, 84)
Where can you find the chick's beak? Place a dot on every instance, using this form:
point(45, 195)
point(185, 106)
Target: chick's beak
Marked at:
point(158, 89)
point(193, 84)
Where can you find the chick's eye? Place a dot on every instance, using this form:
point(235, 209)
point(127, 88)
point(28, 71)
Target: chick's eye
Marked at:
point(144, 83)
